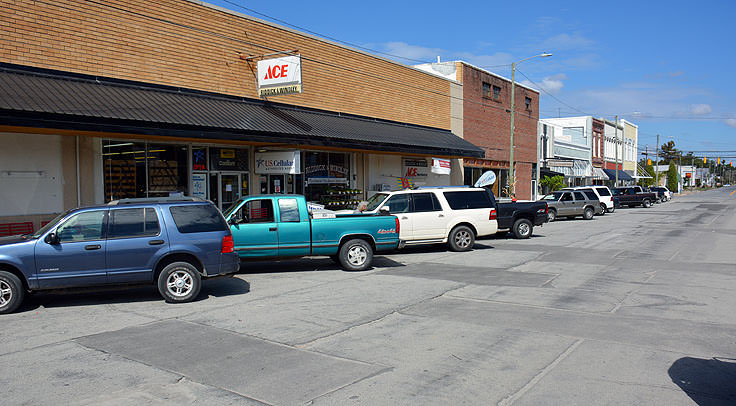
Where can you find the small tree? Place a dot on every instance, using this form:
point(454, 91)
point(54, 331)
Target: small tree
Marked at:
point(672, 181)
point(649, 169)
point(552, 183)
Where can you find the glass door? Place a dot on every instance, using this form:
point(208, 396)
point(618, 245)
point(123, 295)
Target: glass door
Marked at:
point(229, 189)
point(277, 184)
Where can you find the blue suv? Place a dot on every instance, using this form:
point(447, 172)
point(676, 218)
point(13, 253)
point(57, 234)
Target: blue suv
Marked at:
point(174, 242)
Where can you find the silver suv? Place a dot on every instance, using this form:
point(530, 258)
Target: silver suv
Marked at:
point(571, 203)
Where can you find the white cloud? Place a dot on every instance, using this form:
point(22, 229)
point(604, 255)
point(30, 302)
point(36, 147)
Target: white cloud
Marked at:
point(573, 41)
point(551, 84)
point(700, 109)
point(731, 122)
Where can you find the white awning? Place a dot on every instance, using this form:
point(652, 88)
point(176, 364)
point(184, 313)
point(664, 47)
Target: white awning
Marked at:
point(598, 174)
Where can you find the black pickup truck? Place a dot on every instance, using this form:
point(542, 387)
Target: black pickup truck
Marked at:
point(519, 217)
point(630, 196)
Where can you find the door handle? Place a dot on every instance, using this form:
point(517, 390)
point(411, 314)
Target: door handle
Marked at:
point(405, 218)
point(441, 215)
point(272, 228)
point(92, 247)
point(155, 242)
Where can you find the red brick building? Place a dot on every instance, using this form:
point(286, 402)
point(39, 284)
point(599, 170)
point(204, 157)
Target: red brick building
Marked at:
point(486, 116)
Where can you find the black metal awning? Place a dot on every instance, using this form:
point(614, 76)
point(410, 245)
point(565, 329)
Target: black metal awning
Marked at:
point(61, 100)
point(621, 174)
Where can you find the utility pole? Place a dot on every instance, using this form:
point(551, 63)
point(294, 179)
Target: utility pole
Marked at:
point(656, 166)
point(616, 130)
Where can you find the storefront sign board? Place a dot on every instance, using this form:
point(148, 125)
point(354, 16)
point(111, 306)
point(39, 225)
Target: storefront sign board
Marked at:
point(441, 166)
point(199, 185)
point(280, 76)
point(416, 169)
point(279, 162)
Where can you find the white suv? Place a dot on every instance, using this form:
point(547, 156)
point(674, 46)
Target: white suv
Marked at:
point(604, 196)
point(452, 215)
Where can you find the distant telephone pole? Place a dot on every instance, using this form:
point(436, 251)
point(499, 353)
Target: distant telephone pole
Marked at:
point(656, 166)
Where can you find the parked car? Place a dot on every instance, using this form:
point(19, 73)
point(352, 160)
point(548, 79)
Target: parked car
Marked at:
point(519, 217)
point(663, 192)
point(453, 215)
point(571, 203)
point(280, 226)
point(174, 243)
point(630, 196)
point(602, 193)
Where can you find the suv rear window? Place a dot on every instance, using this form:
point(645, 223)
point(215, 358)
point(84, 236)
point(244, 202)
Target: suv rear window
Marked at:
point(197, 218)
point(471, 199)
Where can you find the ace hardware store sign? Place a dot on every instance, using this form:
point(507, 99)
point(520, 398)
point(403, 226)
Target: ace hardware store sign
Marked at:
point(280, 76)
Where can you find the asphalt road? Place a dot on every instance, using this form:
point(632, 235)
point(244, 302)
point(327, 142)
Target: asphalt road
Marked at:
point(634, 307)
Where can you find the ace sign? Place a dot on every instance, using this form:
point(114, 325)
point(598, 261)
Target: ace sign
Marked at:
point(280, 76)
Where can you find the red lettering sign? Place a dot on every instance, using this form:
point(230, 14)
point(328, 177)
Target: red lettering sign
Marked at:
point(411, 172)
point(278, 71)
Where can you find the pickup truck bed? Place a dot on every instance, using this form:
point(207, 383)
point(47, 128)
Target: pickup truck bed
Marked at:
point(519, 217)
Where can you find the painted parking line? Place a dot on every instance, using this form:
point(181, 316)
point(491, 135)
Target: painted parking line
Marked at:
point(731, 194)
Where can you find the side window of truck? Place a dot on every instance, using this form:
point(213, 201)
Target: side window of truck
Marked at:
point(567, 197)
point(258, 211)
point(288, 210)
point(591, 195)
point(579, 196)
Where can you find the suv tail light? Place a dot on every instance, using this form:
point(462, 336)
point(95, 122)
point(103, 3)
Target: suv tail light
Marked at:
point(492, 215)
point(228, 245)
point(398, 225)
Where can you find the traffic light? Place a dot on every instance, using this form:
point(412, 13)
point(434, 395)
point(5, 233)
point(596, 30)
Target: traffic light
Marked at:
point(704, 160)
point(649, 161)
point(718, 161)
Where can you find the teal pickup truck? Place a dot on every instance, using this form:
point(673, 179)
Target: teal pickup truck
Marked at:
point(280, 226)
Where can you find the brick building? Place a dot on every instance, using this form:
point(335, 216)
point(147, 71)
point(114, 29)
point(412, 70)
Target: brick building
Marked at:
point(486, 104)
point(132, 98)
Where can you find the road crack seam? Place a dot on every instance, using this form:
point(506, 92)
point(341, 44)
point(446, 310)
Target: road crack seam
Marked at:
point(397, 310)
point(509, 400)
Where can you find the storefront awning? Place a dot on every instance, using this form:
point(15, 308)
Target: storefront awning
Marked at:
point(598, 174)
point(59, 100)
point(621, 174)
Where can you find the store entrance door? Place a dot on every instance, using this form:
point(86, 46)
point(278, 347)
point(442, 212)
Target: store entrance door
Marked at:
point(227, 187)
point(277, 184)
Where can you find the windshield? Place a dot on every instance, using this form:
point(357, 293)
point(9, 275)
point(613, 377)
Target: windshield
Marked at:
point(375, 201)
point(553, 196)
point(230, 209)
point(51, 224)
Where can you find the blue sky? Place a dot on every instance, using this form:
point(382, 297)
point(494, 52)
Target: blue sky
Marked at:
point(664, 65)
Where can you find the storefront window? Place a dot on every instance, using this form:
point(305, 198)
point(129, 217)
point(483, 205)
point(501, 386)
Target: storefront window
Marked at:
point(499, 188)
point(228, 159)
point(125, 169)
point(167, 170)
point(326, 179)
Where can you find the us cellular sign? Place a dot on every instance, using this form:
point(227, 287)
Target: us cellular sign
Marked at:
point(280, 76)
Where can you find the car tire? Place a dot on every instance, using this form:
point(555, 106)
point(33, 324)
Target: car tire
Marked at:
point(646, 203)
point(461, 238)
point(355, 255)
point(523, 229)
point(179, 282)
point(11, 292)
point(588, 213)
point(603, 206)
point(551, 215)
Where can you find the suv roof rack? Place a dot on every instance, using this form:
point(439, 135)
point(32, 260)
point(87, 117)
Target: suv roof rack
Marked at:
point(438, 187)
point(141, 200)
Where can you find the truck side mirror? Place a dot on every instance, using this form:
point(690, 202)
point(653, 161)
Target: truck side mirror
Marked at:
point(234, 218)
point(385, 210)
point(52, 238)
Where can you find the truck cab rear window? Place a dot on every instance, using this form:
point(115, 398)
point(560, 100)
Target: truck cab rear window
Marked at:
point(197, 218)
point(472, 199)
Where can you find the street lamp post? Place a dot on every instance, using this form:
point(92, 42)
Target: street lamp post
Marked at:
point(512, 171)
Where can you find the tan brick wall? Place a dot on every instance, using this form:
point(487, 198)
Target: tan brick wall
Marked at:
point(118, 39)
